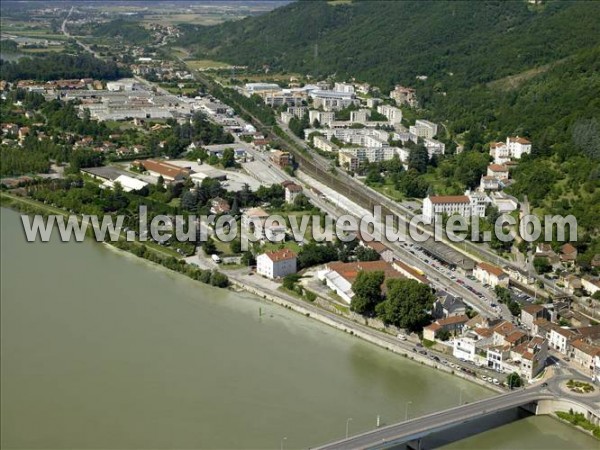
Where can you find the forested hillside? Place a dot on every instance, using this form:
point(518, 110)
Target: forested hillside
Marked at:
point(390, 42)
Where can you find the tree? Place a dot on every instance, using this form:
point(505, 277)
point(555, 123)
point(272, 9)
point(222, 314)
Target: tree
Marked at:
point(228, 159)
point(218, 279)
point(418, 159)
point(235, 246)
point(367, 292)
point(367, 254)
point(289, 281)
point(443, 335)
point(209, 247)
point(542, 265)
point(407, 304)
point(514, 380)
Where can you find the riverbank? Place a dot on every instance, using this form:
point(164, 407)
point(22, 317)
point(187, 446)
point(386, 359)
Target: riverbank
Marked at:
point(299, 306)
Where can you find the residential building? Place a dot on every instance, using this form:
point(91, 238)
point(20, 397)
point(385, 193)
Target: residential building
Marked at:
point(281, 158)
point(490, 275)
point(360, 116)
point(393, 114)
point(219, 205)
point(513, 148)
point(434, 147)
point(454, 325)
point(323, 117)
point(489, 183)
point(424, 129)
point(348, 161)
point(479, 202)
point(447, 305)
point(584, 353)
point(343, 87)
point(276, 264)
point(568, 254)
point(324, 144)
point(498, 171)
point(292, 191)
point(253, 220)
point(559, 339)
point(531, 313)
point(404, 95)
point(450, 204)
point(518, 146)
point(590, 285)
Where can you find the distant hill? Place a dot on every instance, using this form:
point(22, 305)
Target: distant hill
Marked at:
point(392, 42)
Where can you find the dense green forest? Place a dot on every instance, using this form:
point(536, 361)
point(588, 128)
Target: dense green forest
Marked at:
point(60, 66)
point(456, 43)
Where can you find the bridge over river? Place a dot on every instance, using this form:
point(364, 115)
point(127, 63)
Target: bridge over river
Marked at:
point(412, 431)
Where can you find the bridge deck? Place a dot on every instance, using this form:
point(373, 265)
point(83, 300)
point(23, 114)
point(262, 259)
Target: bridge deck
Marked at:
point(425, 425)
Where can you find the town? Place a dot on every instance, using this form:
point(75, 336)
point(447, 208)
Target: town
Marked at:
point(145, 126)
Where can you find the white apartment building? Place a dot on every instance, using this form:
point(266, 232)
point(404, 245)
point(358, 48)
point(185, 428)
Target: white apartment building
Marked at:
point(360, 116)
point(297, 111)
point(479, 202)
point(559, 339)
point(513, 148)
point(370, 154)
point(348, 161)
point(292, 191)
point(344, 87)
point(518, 146)
point(286, 117)
point(424, 129)
point(321, 143)
point(464, 348)
point(446, 204)
point(276, 264)
point(323, 117)
point(393, 114)
point(434, 147)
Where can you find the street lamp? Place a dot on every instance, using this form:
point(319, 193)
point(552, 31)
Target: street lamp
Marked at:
point(406, 411)
point(281, 443)
point(348, 420)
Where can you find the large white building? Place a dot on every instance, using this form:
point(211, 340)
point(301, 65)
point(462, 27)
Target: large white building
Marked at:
point(323, 117)
point(276, 264)
point(513, 148)
point(434, 147)
point(424, 129)
point(446, 204)
point(393, 114)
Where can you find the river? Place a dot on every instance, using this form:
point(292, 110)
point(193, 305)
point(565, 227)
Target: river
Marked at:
point(104, 350)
